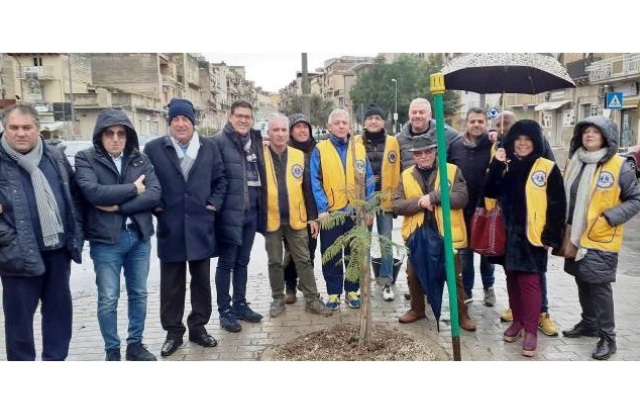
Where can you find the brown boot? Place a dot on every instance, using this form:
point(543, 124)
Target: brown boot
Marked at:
point(466, 323)
point(417, 299)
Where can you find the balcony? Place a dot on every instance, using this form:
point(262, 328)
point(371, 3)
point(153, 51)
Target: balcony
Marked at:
point(626, 66)
point(40, 72)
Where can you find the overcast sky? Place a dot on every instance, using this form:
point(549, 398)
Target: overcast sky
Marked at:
point(273, 71)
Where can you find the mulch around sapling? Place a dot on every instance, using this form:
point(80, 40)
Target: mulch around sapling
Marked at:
point(340, 342)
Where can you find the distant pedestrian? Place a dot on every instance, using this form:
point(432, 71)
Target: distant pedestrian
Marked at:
point(40, 233)
point(194, 185)
point(243, 213)
point(602, 194)
point(121, 189)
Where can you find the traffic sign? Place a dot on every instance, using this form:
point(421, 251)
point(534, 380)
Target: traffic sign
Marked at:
point(492, 113)
point(613, 100)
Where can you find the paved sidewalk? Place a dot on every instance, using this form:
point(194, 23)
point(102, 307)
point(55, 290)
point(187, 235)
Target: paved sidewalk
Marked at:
point(484, 344)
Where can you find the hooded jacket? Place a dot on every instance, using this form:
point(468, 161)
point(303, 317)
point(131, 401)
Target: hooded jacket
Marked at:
point(508, 183)
point(599, 266)
point(306, 148)
point(102, 185)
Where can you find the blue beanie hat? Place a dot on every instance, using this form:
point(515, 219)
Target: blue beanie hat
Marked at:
point(182, 107)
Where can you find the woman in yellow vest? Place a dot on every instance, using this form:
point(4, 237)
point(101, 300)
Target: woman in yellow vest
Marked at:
point(530, 192)
point(603, 194)
point(418, 200)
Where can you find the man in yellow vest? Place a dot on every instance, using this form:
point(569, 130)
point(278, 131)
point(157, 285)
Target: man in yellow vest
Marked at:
point(334, 165)
point(383, 153)
point(287, 218)
point(417, 198)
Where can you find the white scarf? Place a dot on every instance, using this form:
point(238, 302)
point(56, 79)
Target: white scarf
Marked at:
point(579, 221)
point(189, 157)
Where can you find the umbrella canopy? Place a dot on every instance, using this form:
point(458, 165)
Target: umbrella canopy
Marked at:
point(528, 73)
point(426, 255)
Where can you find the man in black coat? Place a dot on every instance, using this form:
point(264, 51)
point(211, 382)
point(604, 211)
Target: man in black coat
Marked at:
point(243, 213)
point(121, 189)
point(194, 185)
point(40, 233)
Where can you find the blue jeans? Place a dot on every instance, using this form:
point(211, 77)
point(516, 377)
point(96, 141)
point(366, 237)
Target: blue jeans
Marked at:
point(333, 270)
point(235, 258)
point(486, 271)
point(132, 255)
point(543, 290)
point(384, 223)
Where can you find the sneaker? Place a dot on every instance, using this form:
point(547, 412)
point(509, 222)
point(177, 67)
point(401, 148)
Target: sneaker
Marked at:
point(318, 308)
point(290, 297)
point(387, 293)
point(244, 313)
point(334, 302)
point(468, 297)
point(546, 325)
point(353, 300)
point(229, 322)
point(113, 355)
point(137, 352)
point(507, 316)
point(277, 307)
point(489, 297)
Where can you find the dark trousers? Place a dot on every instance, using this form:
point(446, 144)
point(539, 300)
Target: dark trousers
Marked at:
point(290, 273)
point(333, 270)
point(524, 298)
point(173, 283)
point(596, 301)
point(20, 297)
point(235, 258)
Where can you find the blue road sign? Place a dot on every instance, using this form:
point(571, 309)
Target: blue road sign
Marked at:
point(613, 100)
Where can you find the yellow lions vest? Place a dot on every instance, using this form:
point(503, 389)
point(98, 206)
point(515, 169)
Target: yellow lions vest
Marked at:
point(536, 196)
point(339, 186)
point(390, 171)
point(295, 172)
point(411, 223)
point(605, 195)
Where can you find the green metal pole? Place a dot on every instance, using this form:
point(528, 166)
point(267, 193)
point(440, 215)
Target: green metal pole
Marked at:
point(437, 90)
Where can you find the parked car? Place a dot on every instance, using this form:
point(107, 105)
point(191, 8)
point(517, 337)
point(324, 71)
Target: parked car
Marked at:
point(71, 147)
point(632, 154)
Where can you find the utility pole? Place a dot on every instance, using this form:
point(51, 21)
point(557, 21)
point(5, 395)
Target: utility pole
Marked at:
point(306, 105)
point(395, 112)
point(73, 113)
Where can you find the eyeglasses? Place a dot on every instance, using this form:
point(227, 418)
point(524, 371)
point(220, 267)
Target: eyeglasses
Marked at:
point(120, 134)
point(424, 152)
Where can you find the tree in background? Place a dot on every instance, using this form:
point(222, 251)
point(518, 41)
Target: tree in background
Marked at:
point(320, 109)
point(374, 85)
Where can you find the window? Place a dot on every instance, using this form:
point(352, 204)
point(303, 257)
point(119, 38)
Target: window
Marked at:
point(37, 61)
point(586, 111)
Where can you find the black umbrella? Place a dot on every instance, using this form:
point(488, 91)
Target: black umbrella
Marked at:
point(528, 73)
point(426, 254)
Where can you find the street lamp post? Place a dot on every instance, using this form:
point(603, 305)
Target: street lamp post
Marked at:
point(395, 113)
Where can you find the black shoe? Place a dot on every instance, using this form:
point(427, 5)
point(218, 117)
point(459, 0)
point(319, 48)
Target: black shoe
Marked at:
point(229, 322)
point(579, 330)
point(113, 355)
point(204, 340)
point(137, 352)
point(244, 313)
point(605, 348)
point(170, 346)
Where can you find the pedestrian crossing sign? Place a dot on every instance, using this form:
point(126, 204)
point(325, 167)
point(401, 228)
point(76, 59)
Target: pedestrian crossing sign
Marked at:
point(613, 100)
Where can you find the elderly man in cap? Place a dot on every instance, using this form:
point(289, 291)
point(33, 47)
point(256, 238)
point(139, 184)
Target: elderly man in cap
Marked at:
point(301, 138)
point(418, 200)
point(194, 186)
point(121, 190)
point(383, 152)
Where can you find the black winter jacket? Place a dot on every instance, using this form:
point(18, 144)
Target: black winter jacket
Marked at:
point(102, 185)
point(19, 251)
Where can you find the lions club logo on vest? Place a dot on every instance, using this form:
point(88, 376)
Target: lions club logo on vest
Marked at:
point(297, 171)
point(539, 178)
point(605, 180)
point(360, 166)
point(393, 157)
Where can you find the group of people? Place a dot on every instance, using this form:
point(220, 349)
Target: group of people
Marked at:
point(210, 196)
